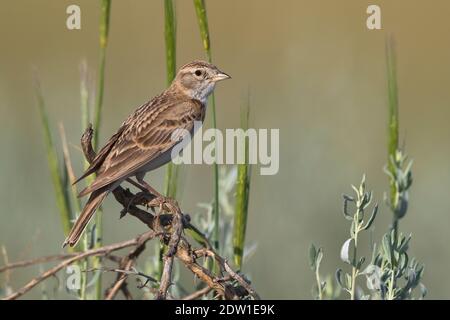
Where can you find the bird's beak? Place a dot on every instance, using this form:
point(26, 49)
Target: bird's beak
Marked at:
point(221, 76)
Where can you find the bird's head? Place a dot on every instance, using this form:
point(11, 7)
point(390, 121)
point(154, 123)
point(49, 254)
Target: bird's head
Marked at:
point(198, 79)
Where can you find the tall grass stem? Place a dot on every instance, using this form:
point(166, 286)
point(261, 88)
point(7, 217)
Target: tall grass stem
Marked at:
point(242, 196)
point(170, 188)
point(202, 18)
point(58, 180)
point(104, 30)
point(393, 123)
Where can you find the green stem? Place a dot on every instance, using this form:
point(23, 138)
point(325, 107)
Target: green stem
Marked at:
point(99, 102)
point(355, 252)
point(394, 226)
point(62, 197)
point(216, 233)
point(104, 29)
point(170, 25)
point(171, 178)
point(319, 286)
point(202, 18)
point(242, 196)
point(391, 286)
point(84, 109)
point(393, 127)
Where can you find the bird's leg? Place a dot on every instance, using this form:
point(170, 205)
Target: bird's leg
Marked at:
point(136, 184)
point(150, 189)
point(160, 201)
point(141, 195)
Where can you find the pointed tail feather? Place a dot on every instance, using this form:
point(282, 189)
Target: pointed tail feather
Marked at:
point(95, 200)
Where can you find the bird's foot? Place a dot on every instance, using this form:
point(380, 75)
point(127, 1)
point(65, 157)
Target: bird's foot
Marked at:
point(165, 204)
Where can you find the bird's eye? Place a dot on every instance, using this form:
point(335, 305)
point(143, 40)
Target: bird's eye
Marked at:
point(198, 73)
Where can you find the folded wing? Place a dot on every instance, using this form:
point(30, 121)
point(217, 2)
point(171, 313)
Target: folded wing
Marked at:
point(145, 138)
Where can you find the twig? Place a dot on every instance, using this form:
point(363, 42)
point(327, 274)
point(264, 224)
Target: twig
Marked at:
point(166, 277)
point(197, 294)
point(223, 263)
point(120, 282)
point(6, 260)
point(39, 260)
point(126, 264)
point(241, 281)
point(93, 252)
point(66, 155)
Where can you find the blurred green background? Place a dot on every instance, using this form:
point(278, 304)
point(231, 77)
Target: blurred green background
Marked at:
point(314, 71)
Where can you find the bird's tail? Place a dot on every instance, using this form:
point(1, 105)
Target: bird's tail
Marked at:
point(95, 200)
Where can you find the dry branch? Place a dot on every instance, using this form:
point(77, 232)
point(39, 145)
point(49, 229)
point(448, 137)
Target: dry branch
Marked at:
point(93, 252)
point(169, 227)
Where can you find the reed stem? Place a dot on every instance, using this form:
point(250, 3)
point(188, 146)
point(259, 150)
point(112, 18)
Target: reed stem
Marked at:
point(202, 19)
point(393, 123)
point(104, 29)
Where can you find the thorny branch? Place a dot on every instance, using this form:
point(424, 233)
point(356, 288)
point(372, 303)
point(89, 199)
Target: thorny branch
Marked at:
point(103, 251)
point(169, 226)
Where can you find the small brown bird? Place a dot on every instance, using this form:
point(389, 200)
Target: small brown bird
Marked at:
point(144, 141)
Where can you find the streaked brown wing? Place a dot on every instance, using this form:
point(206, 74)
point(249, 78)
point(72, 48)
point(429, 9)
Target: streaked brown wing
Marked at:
point(146, 138)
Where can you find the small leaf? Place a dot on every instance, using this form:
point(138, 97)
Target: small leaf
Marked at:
point(360, 263)
point(347, 199)
point(345, 251)
point(403, 261)
point(319, 257)
point(374, 253)
point(348, 281)
point(339, 280)
point(356, 190)
point(387, 247)
point(373, 276)
point(323, 284)
point(312, 257)
point(423, 291)
point(404, 244)
point(372, 218)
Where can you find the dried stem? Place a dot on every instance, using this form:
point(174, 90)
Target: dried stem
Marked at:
point(93, 252)
point(198, 294)
point(169, 227)
point(39, 260)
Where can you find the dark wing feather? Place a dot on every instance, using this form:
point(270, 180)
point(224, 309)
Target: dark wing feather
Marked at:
point(146, 138)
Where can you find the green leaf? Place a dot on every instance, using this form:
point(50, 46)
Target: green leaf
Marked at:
point(340, 280)
point(372, 218)
point(404, 244)
point(312, 257)
point(242, 195)
point(387, 247)
point(348, 281)
point(360, 263)
point(319, 257)
point(347, 199)
point(58, 180)
point(423, 291)
point(202, 19)
point(170, 26)
point(104, 30)
point(345, 251)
